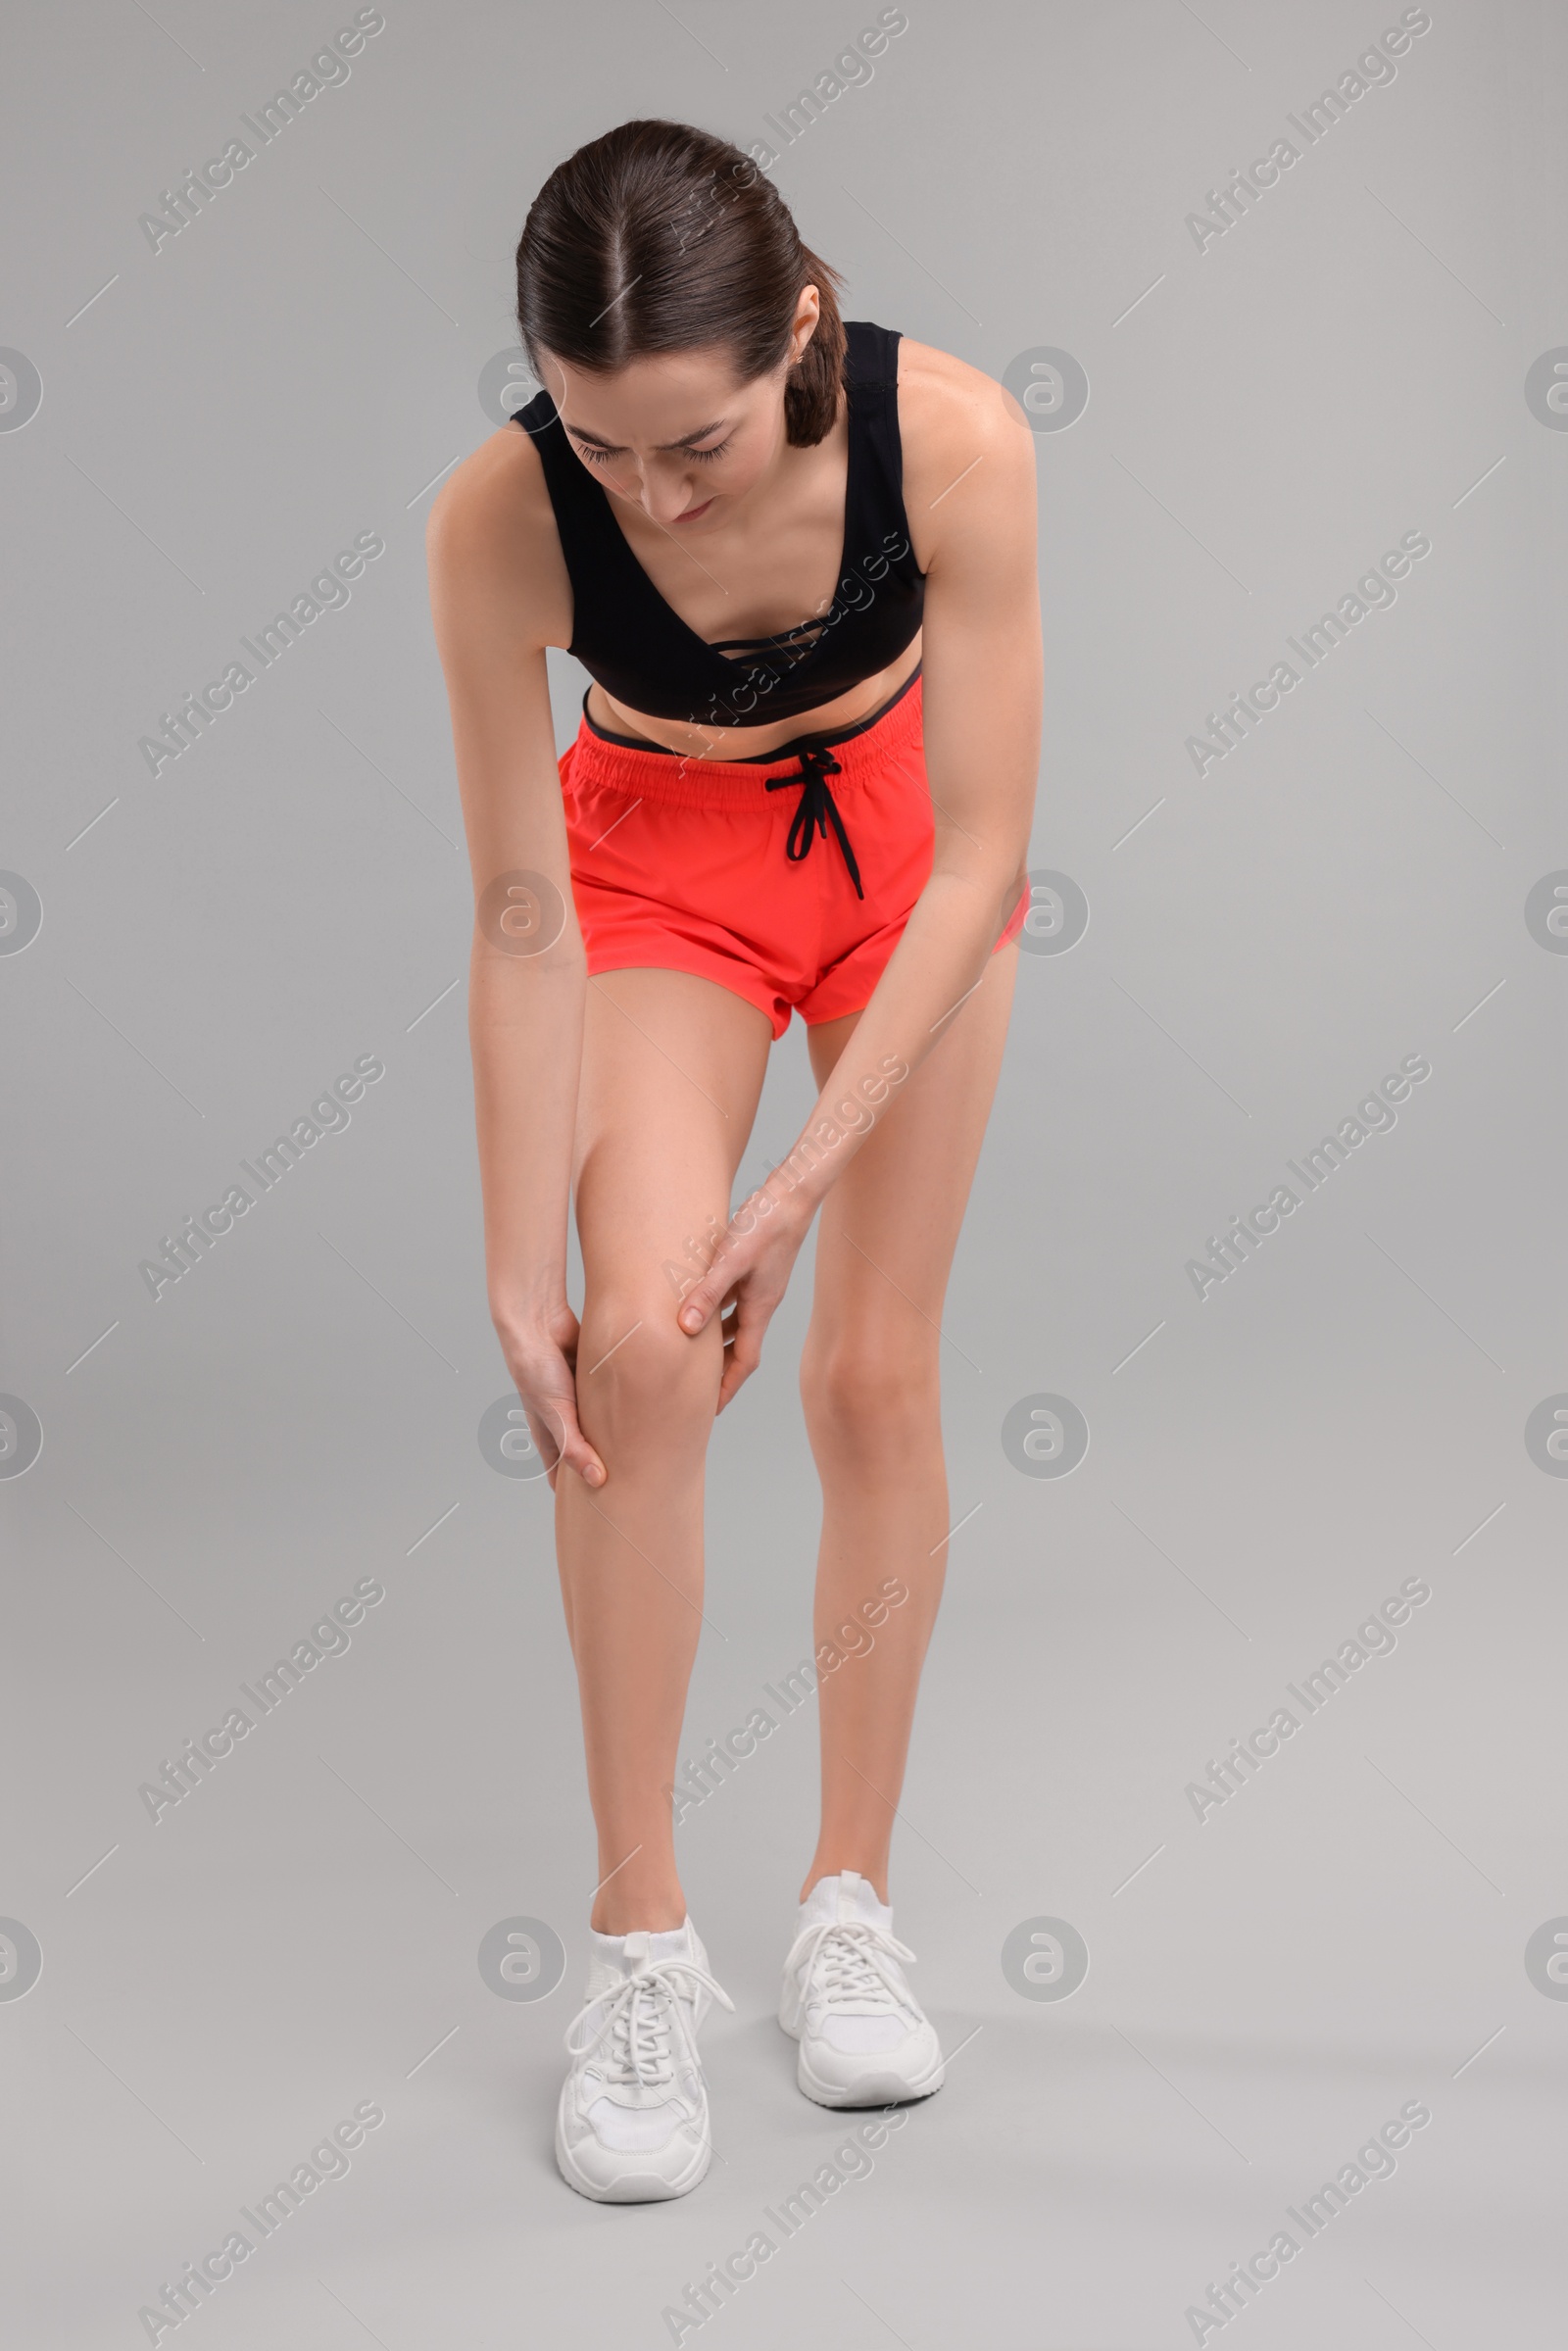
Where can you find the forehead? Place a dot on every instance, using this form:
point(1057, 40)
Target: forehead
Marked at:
point(656, 401)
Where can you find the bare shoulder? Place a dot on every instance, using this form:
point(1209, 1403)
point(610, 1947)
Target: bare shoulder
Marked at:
point(968, 454)
point(493, 545)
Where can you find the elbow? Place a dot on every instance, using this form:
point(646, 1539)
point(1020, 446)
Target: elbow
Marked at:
point(987, 888)
point(501, 975)
point(1015, 895)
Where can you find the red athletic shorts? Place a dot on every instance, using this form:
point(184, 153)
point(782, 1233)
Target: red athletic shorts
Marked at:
point(685, 864)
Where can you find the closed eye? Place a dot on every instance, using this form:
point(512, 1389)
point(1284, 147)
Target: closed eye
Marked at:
point(597, 456)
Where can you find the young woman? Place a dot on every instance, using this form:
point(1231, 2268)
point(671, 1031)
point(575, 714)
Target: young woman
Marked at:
point(767, 536)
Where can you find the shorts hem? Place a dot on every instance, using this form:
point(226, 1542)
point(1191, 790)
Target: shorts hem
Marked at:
point(1009, 934)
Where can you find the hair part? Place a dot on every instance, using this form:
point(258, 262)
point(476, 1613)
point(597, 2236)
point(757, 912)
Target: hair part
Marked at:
point(660, 237)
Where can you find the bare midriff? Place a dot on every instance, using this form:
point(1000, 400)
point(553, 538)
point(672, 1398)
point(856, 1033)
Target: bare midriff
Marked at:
point(755, 742)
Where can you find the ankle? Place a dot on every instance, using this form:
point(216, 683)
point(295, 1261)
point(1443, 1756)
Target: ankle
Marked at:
point(649, 1913)
point(874, 1874)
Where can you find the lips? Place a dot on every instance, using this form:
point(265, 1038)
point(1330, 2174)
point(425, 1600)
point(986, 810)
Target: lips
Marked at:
point(694, 512)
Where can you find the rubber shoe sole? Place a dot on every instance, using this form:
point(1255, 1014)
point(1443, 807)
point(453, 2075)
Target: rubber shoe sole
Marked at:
point(873, 2089)
point(632, 2187)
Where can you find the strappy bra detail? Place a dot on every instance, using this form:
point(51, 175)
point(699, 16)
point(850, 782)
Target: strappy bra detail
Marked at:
point(644, 655)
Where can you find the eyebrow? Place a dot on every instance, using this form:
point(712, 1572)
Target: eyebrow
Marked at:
point(685, 442)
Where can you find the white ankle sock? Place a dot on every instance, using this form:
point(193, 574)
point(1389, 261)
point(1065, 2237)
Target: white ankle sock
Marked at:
point(666, 1943)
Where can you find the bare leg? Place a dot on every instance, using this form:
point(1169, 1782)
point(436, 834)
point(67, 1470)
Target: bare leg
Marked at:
point(673, 1068)
point(870, 1377)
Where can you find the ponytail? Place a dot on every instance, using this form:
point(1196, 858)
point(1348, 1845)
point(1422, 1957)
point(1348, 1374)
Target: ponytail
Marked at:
point(811, 388)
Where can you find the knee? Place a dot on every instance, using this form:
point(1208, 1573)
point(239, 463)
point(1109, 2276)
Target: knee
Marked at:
point(640, 1380)
point(870, 1391)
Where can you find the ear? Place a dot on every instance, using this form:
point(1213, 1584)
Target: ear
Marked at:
point(808, 311)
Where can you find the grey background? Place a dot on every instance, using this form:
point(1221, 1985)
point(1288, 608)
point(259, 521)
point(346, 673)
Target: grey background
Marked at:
point(1265, 1987)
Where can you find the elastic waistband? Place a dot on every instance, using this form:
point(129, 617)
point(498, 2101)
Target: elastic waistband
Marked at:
point(678, 779)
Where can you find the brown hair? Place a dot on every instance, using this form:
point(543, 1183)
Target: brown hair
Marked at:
point(659, 237)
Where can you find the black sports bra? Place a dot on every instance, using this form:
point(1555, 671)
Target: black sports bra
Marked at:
point(641, 651)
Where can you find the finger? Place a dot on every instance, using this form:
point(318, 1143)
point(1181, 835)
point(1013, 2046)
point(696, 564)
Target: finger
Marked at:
point(739, 1250)
point(544, 1440)
point(715, 1289)
point(736, 1375)
point(572, 1449)
point(744, 1353)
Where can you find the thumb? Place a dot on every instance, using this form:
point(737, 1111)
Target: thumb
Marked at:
point(702, 1302)
point(734, 1257)
point(574, 1450)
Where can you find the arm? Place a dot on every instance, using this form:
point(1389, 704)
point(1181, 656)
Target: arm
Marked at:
point(496, 584)
point(982, 696)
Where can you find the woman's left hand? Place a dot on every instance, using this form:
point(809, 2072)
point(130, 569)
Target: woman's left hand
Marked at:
point(747, 1277)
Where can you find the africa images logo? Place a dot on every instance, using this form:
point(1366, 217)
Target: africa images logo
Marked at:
point(21, 390)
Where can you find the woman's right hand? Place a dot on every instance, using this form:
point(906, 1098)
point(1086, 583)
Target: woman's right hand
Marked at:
point(541, 1354)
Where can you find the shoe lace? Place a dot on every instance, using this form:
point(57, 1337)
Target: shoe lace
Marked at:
point(846, 1963)
point(635, 2021)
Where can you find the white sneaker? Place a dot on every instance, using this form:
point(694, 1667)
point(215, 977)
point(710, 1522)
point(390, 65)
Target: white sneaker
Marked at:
point(633, 2123)
point(864, 2038)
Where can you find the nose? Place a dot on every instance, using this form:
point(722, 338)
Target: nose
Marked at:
point(667, 491)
